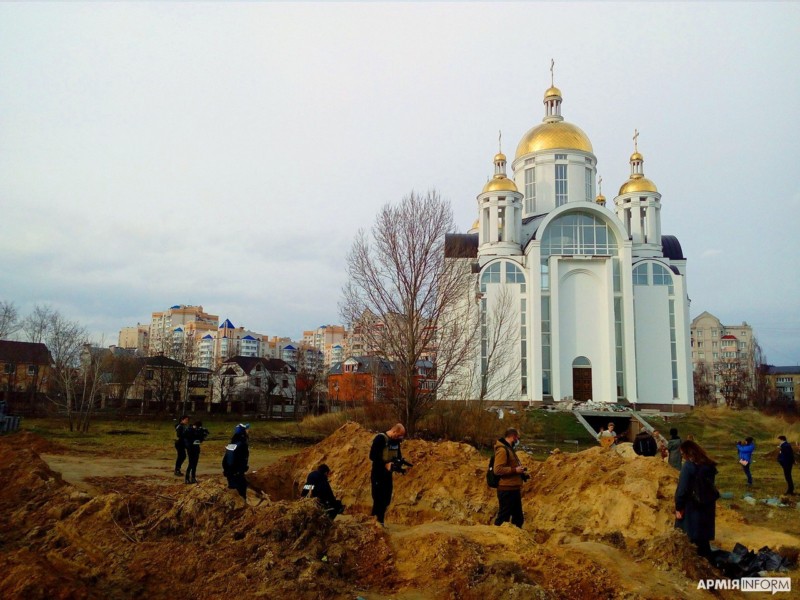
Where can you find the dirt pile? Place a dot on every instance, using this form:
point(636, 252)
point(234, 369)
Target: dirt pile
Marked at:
point(598, 525)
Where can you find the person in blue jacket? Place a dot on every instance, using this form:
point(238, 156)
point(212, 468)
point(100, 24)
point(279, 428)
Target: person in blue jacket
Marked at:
point(745, 449)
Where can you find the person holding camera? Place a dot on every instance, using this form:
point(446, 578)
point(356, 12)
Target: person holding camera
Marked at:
point(745, 449)
point(385, 456)
point(192, 438)
point(180, 446)
point(512, 474)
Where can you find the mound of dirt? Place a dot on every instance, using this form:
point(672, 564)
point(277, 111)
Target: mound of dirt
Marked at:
point(598, 525)
point(32, 441)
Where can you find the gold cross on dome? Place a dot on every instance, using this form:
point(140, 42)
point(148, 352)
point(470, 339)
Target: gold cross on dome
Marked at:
point(635, 140)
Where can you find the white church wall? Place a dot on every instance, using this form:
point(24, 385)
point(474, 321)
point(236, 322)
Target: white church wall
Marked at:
point(653, 353)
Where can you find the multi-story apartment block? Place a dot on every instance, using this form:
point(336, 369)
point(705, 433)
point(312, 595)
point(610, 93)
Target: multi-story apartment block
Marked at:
point(786, 380)
point(721, 351)
point(135, 338)
point(180, 321)
point(324, 339)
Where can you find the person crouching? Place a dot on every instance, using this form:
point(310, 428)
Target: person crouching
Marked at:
point(236, 459)
point(317, 486)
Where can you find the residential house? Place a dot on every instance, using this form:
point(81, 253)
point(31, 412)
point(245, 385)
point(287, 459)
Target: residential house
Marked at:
point(267, 386)
point(25, 372)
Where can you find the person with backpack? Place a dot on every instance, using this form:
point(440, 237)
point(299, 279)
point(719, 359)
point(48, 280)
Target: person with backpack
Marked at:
point(696, 497)
point(180, 447)
point(384, 454)
point(745, 449)
point(317, 486)
point(674, 449)
point(786, 460)
point(235, 461)
point(511, 475)
point(644, 444)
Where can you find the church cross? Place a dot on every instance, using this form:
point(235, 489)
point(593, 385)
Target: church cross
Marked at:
point(552, 64)
point(635, 140)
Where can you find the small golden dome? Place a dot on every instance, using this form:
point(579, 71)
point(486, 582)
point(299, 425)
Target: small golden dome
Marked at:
point(636, 156)
point(554, 136)
point(638, 184)
point(600, 199)
point(552, 92)
point(499, 156)
point(499, 184)
point(475, 225)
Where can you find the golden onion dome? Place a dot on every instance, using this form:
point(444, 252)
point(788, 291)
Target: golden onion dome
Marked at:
point(499, 184)
point(499, 156)
point(552, 92)
point(636, 156)
point(600, 199)
point(554, 136)
point(637, 184)
point(475, 225)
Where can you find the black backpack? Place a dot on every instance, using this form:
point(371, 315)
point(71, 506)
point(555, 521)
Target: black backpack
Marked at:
point(493, 480)
point(704, 492)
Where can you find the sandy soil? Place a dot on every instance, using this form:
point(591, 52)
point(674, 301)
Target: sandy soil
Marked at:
point(598, 525)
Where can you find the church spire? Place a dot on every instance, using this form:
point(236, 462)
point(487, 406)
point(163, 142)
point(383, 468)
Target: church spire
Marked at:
point(552, 100)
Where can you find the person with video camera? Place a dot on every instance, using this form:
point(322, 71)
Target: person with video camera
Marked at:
point(192, 438)
point(386, 459)
point(512, 474)
point(317, 486)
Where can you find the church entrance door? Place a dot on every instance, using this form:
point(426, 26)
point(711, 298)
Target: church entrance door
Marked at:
point(581, 379)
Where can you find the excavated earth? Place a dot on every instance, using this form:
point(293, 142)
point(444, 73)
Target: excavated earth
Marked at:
point(599, 524)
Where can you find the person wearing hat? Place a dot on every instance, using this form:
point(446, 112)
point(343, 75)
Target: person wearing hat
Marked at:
point(236, 459)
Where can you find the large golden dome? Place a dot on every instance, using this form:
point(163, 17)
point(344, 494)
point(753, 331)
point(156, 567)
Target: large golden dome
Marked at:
point(499, 184)
point(554, 136)
point(640, 184)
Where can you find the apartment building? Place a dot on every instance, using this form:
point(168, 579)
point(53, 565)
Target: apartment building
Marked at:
point(786, 380)
point(135, 338)
point(181, 319)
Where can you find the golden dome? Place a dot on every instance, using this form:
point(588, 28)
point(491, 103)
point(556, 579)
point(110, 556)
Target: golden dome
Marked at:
point(499, 156)
point(554, 136)
point(600, 199)
point(475, 225)
point(636, 156)
point(499, 184)
point(552, 92)
point(640, 184)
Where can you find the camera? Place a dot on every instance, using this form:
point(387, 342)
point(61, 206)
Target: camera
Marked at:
point(398, 465)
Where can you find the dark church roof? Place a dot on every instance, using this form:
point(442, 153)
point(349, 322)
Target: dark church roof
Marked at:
point(461, 245)
point(671, 247)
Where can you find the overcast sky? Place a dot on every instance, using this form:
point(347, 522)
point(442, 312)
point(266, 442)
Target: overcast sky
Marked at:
point(225, 154)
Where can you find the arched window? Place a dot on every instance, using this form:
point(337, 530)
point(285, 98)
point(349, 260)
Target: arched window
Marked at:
point(494, 273)
point(641, 274)
point(579, 233)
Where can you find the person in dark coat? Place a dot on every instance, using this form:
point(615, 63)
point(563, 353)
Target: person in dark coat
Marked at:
point(786, 460)
point(180, 448)
point(509, 469)
point(745, 450)
point(694, 515)
point(235, 462)
point(385, 450)
point(317, 486)
point(645, 444)
point(192, 438)
point(674, 448)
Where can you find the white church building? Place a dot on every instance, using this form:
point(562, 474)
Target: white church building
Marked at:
point(590, 300)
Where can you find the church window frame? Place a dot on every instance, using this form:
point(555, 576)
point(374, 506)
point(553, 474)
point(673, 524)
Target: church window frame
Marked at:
point(530, 189)
point(561, 184)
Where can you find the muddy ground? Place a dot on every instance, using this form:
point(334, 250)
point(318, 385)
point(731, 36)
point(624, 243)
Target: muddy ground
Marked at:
point(598, 525)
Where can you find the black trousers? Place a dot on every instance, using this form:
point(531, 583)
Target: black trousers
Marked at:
point(787, 474)
point(510, 507)
point(181, 450)
point(381, 494)
point(238, 482)
point(193, 452)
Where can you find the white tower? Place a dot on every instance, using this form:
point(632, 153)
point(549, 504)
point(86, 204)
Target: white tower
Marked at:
point(638, 206)
point(500, 214)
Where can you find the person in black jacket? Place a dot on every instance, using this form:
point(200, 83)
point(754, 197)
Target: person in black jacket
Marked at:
point(786, 460)
point(317, 486)
point(192, 438)
point(696, 497)
point(235, 462)
point(645, 444)
point(384, 451)
point(180, 448)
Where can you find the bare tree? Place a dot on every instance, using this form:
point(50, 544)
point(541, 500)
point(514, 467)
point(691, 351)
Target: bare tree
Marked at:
point(398, 273)
point(9, 319)
point(500, 349)
point(35, 325)
point(734, 381)
point(704, 388)
point(65, 339)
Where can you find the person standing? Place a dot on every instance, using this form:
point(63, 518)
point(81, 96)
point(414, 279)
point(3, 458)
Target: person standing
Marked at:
point(786, 460)
point(608, 437)
point(180, 448)
point(674, 449)
point(509, 469)
point(661, 444)
point(235, 462)
point(193, 437)
point(384, 451)
point(745, 449)
point(644, 444)
point(696, 497)
point(317, 486)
